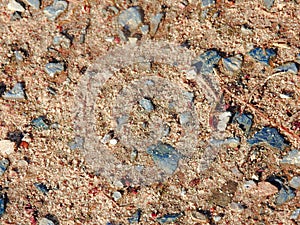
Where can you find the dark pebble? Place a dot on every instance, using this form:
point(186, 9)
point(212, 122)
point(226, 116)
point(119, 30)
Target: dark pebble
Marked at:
point(4, 163)
point(42, 188)
point(262, 55)
point(169, 218)
point(205, 62)
point(40, 123)
point(244, 120)
point(284, 195)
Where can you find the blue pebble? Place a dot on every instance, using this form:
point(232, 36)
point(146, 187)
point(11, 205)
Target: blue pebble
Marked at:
point(268, 3)
point(288, 67)
point(169, 218)
point(206, 62)
point(233, 64)
point(4, 163)
point(40, 123)
point(295, 182)
point(41, 187)
point(285, 194)
point(244, 120)
point(3, 201)
point(146, 104)
point(135, 217)
point(165, 157)
point(206, 3)
point(262, 56)
point(269, 136)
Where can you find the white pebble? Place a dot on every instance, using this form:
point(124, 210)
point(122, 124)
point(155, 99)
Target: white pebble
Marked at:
point(6, 147)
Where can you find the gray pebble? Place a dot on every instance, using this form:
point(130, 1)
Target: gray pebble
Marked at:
point(3, 201)
point(131, 18)
point(13, 5)
point(4, 163)
point(295, 182)
point(34, 3)
point(154, 23)
point(164, 156)
point(169, 218)
point(293, 158)
point(19, 56)
point(165, 130)
point(185, 118)
point(206, 3)
point(40, 123)
point(189, 96)
point(146, 104)
point(42, 188)
point(233, 64)
point(295, 214)
point(54, 10)
point(16, 93)
point(290, 67)
point(54, 68)
point(245, 121)
point(117, 195)
point(62, 40)
point(298, 58)
point(45, 221)
point(77, 143)
point(133, 155)
point(262, 55)
point(285, 194)
point(145, 29)
point(268, 3)
point(205, 62)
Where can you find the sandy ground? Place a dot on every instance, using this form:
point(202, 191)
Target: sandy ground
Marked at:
point(77, 194)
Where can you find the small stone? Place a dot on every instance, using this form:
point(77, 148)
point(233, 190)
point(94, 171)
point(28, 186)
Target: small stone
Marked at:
point(42, 188)
point(107, 137)
point(206, 3)
point(249, 184)
point(223, 121)
point(15, 6)
point(237, 207)
point(77, 143)
point(19, 56)
point(285, 194)
point(4, 163)
point(45, 221)
point(154, 23)
point(268, 4)
point(298, 58)
point(62, 40)
point(295, 214)
point(295, 182)
point(40, 123)
point(262, 55)
point(146, 104)
point(16, 93)
point(133, 155)
point(7, 147)
point(169, 218)
point(113, 141)
point(189, 96)
point(293, 158)
point(56, 9)
point(205, 62)
point(231, 142)
point(15, 136)
point(109, 39)
point(265, 189)
point(131, 18)
point(117, 195)
point(165, 157)
point(233, 64)
point(287, 68)
point(185, 118)
point(269, 136)
point(135, 218)
point(54, 68)
point(245, 121)
point(34, 3)
point(3, 201)
point(165, 130)
point(144, 29)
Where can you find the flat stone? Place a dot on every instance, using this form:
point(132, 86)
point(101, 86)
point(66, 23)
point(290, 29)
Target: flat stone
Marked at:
point(205, 62)
point(284, 195)
point(16, 93)
point(19, 56)
point(3, 201)
point(262, 55)
point(293, 158)
point(54, 68)
point(40, 123)
point(295, 182)
point(62, 40)
point(265, 189)
point(45, 221)
point(15, 6)
point(169, 218)
point(206, 3)
point(185, 118)
point(34, 3)
point(135, 218)
point(245, 121)
point(117, 195)
point(144, 29)
point(7, 147)
point(4, 163)
point(146, 104)
point(234, 63)
point(164, 156)
point(41, 187)
point(268, 3)
point(154, 23)
point(269, 136)
point(131, 18)
point(295, 214)
point(290, 67)
point(56, 9)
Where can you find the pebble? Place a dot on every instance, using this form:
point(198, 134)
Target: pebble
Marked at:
point(15, 136)
point(16, 93)
point(295, 182)
point(56, 9)
point(245, 121)
point(265, 189)
point(189, 96)
point(131, 18)
point(41, 187)
point(205, 62)
point(34, 3)
point(133, 155)
point(45, 221)
point(262, 55)
point(269, 136)
point(223, 121)
point(249, 184)
point(290, 67)
point(231, 142)
point(169, 218)
point(185, 118)
point(293, 158)
point(117, 195)
point(2, 88)
point(13, 5)
point(40, 123)
point(4, 163)
point(165, 157)
point(54, 68)
point(107, 137)
point(113, 141)
point(135, 218)
point(233, 64)
point(7, 147)
point(154, 23)
point(295, 214)
point(146, 104)
point(206, 3)
point(144, 29)
point(285, 194)
point(62, 40)
point(298, 58)
point(19, 56)
point(77, 143)
point(3, 201)
point(237, 207)
point(268, 4)
point(165, 130)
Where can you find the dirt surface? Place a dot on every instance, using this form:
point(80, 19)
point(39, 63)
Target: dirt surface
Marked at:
point(242, 183)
